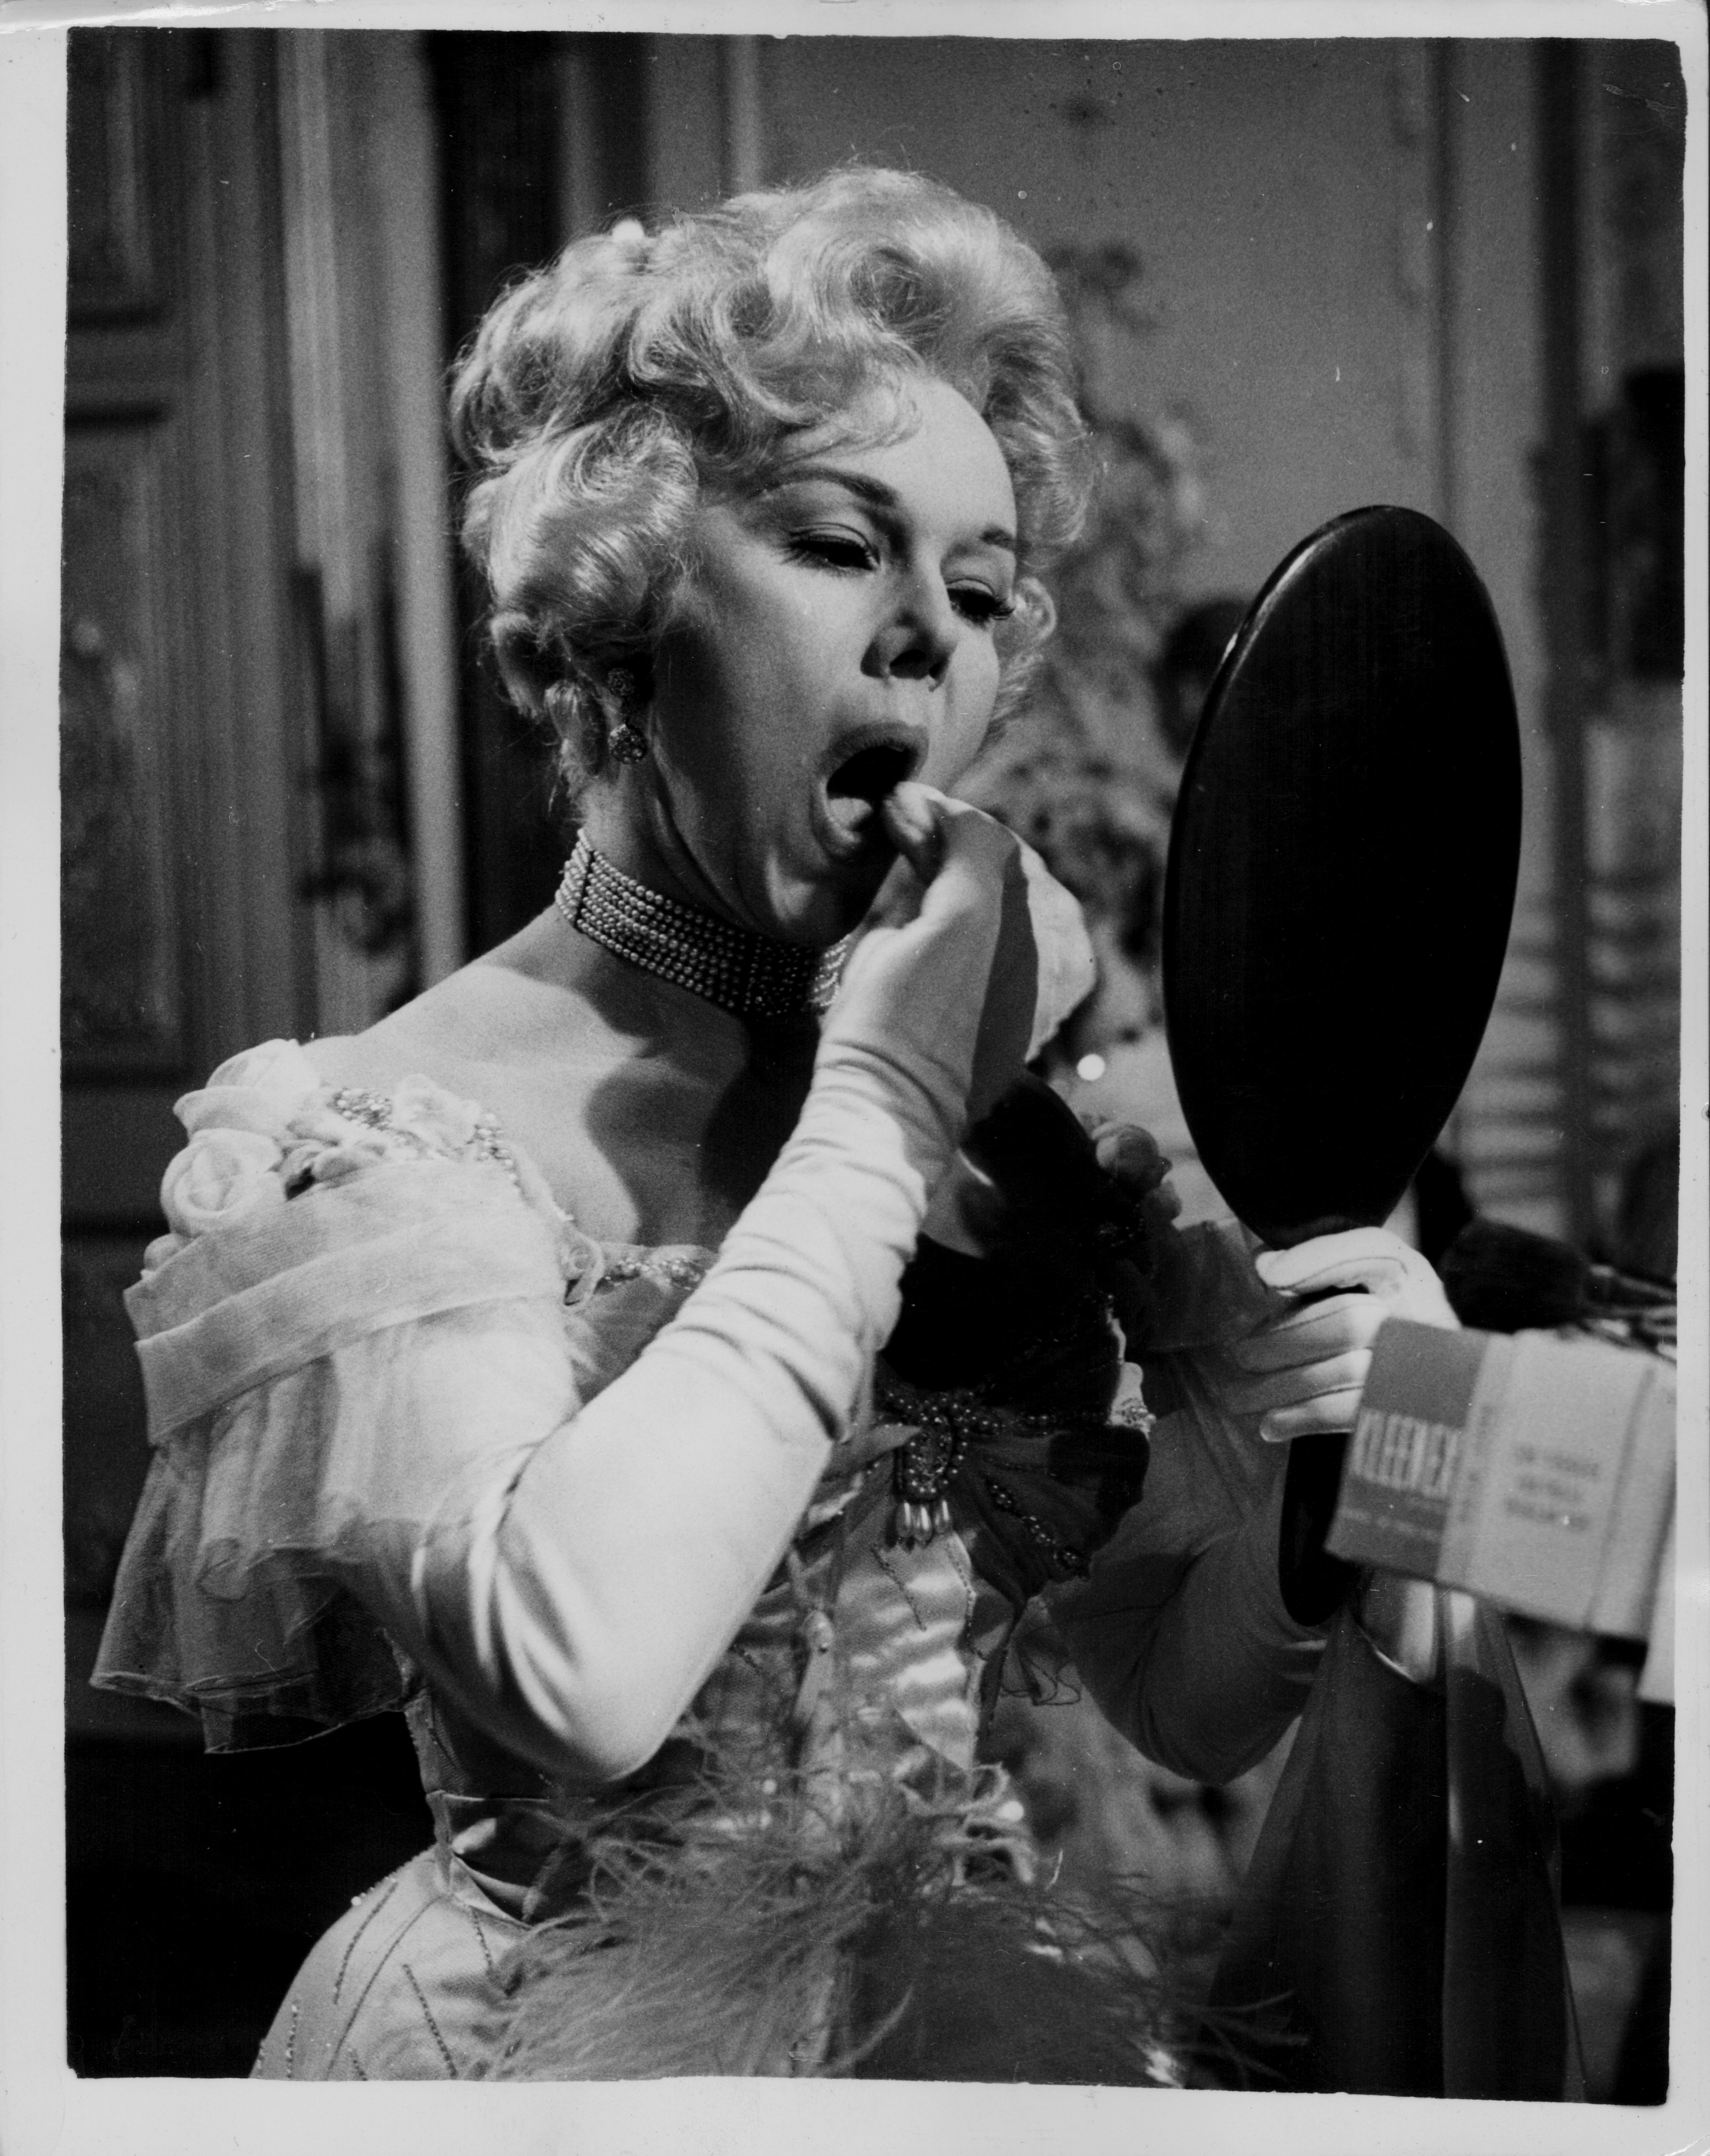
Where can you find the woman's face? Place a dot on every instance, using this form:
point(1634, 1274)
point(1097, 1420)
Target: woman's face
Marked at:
point(837, 636)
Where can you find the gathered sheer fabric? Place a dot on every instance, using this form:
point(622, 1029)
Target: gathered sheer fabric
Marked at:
point(323, 1384)
point(393, 1467)
point(317, 1378)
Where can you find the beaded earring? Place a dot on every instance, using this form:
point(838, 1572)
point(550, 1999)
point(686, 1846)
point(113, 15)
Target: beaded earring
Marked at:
point(625, 742)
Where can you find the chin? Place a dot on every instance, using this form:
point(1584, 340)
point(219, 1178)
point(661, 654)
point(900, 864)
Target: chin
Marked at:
point(827, 910)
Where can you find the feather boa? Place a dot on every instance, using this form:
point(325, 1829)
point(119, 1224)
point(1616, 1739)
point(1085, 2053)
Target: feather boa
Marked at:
point(849, 1927)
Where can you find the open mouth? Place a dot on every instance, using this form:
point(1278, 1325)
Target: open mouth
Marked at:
point(862, 780)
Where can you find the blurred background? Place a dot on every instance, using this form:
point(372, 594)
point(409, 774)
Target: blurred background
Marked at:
point(1304, 276)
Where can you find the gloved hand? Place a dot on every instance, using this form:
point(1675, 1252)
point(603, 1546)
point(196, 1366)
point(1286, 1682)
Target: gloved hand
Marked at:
point(936, 1006)
point(1303, 1371)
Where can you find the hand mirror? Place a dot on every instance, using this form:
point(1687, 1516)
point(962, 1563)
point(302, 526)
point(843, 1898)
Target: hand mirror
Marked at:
point(1341, 878)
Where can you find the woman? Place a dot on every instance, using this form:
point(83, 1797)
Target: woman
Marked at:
point(514, 1363)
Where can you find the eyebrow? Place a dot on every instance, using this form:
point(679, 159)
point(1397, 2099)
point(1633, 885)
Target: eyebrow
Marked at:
point(876, 492)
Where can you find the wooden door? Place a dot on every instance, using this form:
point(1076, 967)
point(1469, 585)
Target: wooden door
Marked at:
point(228, 681)
point(183, 938)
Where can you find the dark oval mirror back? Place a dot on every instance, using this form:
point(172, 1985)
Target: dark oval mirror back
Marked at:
point(1342, 872)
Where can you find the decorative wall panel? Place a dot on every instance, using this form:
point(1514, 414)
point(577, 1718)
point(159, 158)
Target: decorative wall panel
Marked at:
point(121, 1003)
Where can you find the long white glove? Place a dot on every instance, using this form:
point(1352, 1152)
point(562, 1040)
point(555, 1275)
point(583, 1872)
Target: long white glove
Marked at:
point(572, 1603)
point(1303, 1371)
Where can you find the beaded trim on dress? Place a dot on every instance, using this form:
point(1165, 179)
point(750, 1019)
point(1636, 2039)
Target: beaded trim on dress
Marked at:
point(357, 1104)
point(750, 975)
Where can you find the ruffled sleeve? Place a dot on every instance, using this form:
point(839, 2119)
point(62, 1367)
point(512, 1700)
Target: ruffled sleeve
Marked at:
point(319, 1368)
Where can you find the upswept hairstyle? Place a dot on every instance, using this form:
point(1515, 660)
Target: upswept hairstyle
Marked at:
point(603, 393)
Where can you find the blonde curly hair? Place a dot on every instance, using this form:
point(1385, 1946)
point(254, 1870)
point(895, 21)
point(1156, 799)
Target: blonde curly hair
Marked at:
point(603, 393)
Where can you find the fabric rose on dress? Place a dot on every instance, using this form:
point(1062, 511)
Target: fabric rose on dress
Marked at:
point(258, 1090)
point(419, 1121)
point(356, 1150)
point(329, 1146)
point(221, 1177)
point(443, 1123)
point(317, 1125)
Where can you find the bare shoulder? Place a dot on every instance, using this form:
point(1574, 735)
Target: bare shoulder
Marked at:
point(635, 1100)
point(501, 1014)
point(520, 1034)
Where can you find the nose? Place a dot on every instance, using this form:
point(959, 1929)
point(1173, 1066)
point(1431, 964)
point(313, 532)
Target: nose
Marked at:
point(917, 639)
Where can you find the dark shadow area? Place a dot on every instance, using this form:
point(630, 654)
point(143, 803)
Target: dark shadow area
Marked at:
point(197, 1885)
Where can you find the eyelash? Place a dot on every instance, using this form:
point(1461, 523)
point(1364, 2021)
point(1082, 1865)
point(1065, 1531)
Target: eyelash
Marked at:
point(842, 551)
point(833, 550)
point(983, 608)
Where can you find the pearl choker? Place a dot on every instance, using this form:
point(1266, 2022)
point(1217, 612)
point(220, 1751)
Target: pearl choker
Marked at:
point(743, 973)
